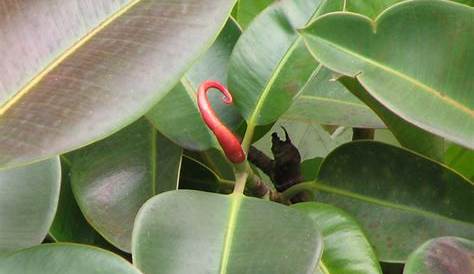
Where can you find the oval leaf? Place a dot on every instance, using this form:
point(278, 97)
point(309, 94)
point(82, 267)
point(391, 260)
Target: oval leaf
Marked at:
point(28, 199)
point(113, 178)
point(189, 231)
point(65, 259)
point(346, 249)
point(85, 71)
point(446, 255)
point(424, 76)
point(401, 199)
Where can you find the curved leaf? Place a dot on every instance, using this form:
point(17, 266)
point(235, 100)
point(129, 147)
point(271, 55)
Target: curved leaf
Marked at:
point(28, 200)
point(65, 259)
point(247, 10)
point(113, 178)
point(179, 106)
point(196, 232)
point(420, 74)
point(346, 249)
point(270, 63)
point(84, 70)
point(401, 199)
point(445, 255)
point(328, 102)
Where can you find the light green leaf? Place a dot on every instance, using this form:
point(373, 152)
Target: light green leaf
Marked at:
point(420, 74)
point(247, 10)
point(346, 248)
point(196, 232)
point(111, 179)
point(445, 255)
point(28, 200)
point(179, 106)
point(65, 259)
point(82, 71)
point(400, 198)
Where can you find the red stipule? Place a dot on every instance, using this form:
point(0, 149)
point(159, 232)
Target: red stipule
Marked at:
point(228, 141)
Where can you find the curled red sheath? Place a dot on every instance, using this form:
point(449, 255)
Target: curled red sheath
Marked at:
point(228, 141)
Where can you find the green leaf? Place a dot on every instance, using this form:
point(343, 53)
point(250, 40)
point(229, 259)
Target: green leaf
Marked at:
point(247, 10)
point(65, 259)
point(270, 63)
point(196, 232)
point(28, 200)
point(216, 161)
point(69, 224)
point(113, 178)
point(84, 71)
point(179, 107)
point(400, 198)
point(328, 102)
point(420, 74)
point(346, 248)
point(461, 159)
point(445, 255)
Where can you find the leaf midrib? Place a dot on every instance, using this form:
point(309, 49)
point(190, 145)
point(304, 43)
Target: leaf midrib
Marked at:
point(67, 53)
point(401, 75)
point(318, 185)
point(236, 201)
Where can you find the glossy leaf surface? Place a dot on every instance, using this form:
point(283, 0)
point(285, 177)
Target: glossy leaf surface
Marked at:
point(111, 179)
point(65, 259)
point(247, 10)
point(445, 255)
point(28, 200)
point(86, 70)
point(325, 100)
point(179, 106)
point(420, 74)
point(346, 248)
point(197, 232)
point(401, 199)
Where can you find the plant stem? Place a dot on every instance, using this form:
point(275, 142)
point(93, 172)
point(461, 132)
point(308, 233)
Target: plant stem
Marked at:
point(241, 171)
point(248, 137)
point(294, 190)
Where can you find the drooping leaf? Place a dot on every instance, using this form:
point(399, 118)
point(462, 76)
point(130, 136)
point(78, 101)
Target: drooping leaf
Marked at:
point(179, 106)
point(400, 198)
point(65, 259)
point(346, 248)
point(328, 102)
point(83, 71)
point(247, 10)
point(415, 59)
point(445, 255)
point(28, 200)
point(196, 232)
point(111, 179)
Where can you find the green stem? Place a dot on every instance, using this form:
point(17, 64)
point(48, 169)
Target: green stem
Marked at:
point(300, 187)
point(248, 137)
point(241, 175)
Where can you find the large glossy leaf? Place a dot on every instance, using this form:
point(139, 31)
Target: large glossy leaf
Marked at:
point(111, 179)
point(84, 70)
point(270, 63)
point(461, 159)
point(401, 199)
point(327, 101)
point(197, 232)
point(346, 248)
point(28, 200)
point(409, 60)
point(446, 255)
point(65, 259)
point(179, 106)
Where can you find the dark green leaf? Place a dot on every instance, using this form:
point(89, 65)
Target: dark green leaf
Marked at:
point(196, 232)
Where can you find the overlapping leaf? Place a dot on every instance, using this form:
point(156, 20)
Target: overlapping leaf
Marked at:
point(28, 200)
point(196, 232)
point(111, 179)
point(420, 74)
point(84, 70)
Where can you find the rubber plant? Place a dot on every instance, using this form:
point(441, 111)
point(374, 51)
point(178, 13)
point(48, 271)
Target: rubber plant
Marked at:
point(335, 137)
